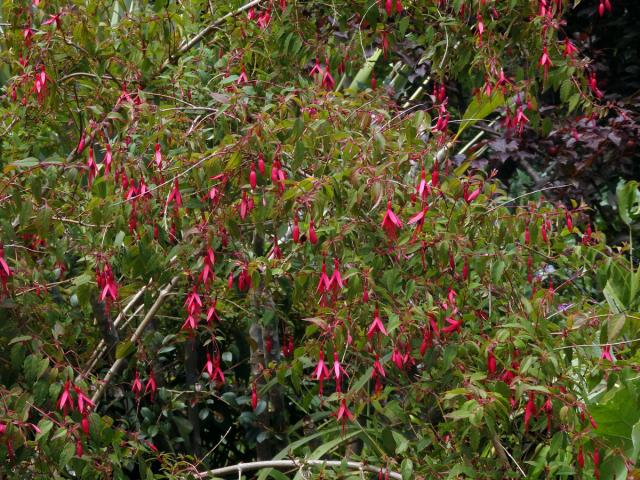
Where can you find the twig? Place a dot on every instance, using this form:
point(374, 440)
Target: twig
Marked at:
point(496, 442)
point(622, 342)
point(526, 195)
point(101, 348)
point(186, 46)
point(113, 371)
point(294, 463)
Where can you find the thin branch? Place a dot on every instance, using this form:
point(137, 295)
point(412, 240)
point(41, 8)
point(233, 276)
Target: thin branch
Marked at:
point(294, 463)
point(187, 45)
point(115, 368)
point(101, 348)
point(622, 342)
point(557, 187)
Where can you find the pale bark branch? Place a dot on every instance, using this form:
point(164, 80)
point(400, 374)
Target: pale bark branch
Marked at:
point(295, 463)
point(115, 368)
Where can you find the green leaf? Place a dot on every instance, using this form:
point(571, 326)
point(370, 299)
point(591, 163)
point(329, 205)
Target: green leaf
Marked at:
point(628, 197)
point(124, 349)
point(480, 109)
point(614, 325)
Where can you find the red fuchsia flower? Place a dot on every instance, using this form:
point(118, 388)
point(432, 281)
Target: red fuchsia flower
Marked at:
point(374, 81)
point(261, 167)
point(251, 15)
point(242, 79)
point(208, 366)
point(327, 79)
point(321, 372)
point(253, 179)
point(324, 283)
point(427, 340)
point(244, 279)
point(569, 221)
point(27, 33)
point(151, 385)
point(390, 222)
point(569, 49)
point(454, 325)
point(545, 61)
point(313, 238)
point(84, 424)
point(418, 219)
point(580, 458)
point(212, 314)
point(529, 411)
point(316, 69)
point(79, 450)
point(93, 168)
point(385, 43)
point(604, 5)
point(175, 196)
point(254, 396)
point(606, 353)
point(207, 274)
point(338, 370)
point(107, 285)
point(548, 409)
point(434, 174)
point(107, 160)
point(465, 270)
point(65, 401)
point(5, 272)
point(158, 156)
point(378, 369)
point(136, 386)
point(193, 301)
point(376, 326)
point(470, 197)
point(336, 283)
point(491, 362)
point(296, 231)
point(586, 236)
point(84, 402)
point(388, 7)
point(264, 19)
point(343, 414)
point(596, 463)
point(423, 189)
point(480, 28)
point(593, 85)
point(398, 7)
point(54, 18)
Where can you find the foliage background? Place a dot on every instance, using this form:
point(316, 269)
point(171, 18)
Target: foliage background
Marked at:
point(503, 277)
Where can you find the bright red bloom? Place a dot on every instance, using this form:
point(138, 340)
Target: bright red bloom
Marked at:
point(65, 401)
point(491, 362)
point(376, 326)
point(84, 402)
point(390, 222)
point(343, 414)
point(336, 282)
point(158, 156)
point(529, 411)
point(338, 370)
point(136, 386)
point(313, 238)
point(545, 61)
point(151, 385)
point(254, 397)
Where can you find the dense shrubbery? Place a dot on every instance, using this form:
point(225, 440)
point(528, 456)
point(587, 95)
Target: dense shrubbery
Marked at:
point(239, 247)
